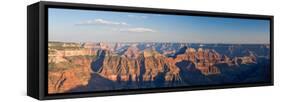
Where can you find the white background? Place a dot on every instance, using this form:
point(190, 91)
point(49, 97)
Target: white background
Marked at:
point(13, 51)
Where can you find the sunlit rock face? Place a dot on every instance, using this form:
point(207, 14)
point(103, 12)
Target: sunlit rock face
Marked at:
point(63, 79)
point(141, 64)
point(128, 66)
point(156, 63)
point(122, 68)
point(132, 52)
point(125, 68)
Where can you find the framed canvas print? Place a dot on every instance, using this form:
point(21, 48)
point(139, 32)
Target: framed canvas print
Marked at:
point(82, 50)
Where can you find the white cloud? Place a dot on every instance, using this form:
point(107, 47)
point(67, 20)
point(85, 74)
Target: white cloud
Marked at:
point(137, 16)
point(138, 30)
point(102, 22)
point(117, 26)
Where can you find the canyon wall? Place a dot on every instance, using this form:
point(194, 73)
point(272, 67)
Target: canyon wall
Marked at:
point(77, 73)
point(69, 69)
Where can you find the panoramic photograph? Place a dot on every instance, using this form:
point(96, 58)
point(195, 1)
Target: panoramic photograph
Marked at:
point(94, 51)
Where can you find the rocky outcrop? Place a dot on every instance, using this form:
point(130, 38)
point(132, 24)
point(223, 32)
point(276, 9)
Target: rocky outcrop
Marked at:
point(204, 60)
point(116, 67)
point(132, 52)
point(156, 63)
point(58, 56)
point(77, 73)
point(128, 66)
point(173, 71)
point(72, 68)
point(122, 68)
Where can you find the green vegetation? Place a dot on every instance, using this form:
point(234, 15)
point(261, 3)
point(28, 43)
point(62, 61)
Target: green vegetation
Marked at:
point(51, 66)
point(51, 51)
point(61, 66)
point(64, 46)
point(57, 43)
point(69, 63)
point(72, 58)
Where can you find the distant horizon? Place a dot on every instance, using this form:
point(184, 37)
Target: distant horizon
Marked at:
point(70, 25)
point(153, 42)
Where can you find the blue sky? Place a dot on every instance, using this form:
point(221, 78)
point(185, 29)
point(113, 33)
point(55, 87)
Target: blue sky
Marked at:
point(106, 26)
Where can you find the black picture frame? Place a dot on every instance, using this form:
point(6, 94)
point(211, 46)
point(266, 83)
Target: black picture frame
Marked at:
point(37, 51)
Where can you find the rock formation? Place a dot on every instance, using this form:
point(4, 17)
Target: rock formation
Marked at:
point(72, 68)
point(77, 73)
point(132, 52)
point(127, 67)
